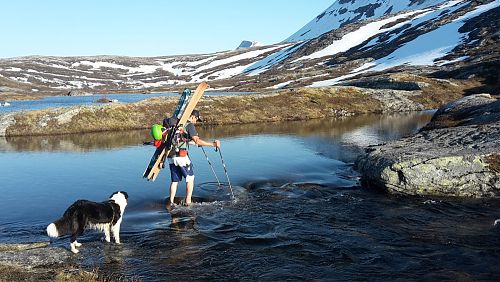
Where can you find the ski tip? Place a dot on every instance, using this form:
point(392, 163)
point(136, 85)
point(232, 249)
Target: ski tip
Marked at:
point(204, 84)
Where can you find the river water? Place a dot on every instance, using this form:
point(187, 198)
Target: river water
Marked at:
point(67, 101)
point(298, 213)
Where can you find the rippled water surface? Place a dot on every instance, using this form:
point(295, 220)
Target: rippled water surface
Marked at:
point(299, 213)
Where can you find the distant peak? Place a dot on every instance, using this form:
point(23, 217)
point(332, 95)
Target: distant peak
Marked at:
point(248, 44)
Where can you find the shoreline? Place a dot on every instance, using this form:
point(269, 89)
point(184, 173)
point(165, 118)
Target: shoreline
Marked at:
point(456, 154)
point(284, 105)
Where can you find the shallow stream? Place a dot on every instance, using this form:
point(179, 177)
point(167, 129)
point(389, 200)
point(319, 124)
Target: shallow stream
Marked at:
point(298, 212)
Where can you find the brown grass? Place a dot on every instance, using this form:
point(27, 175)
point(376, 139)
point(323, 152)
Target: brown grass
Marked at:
point(11, 96)
point(299, 104)
point(494, 162)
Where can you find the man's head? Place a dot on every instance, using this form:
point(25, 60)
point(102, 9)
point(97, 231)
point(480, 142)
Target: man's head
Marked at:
point(195, 116)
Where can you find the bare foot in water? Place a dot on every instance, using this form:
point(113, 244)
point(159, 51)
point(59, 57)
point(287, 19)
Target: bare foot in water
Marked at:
point(169, 205)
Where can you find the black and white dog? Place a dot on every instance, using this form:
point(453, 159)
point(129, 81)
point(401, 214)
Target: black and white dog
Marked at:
point(106, 217)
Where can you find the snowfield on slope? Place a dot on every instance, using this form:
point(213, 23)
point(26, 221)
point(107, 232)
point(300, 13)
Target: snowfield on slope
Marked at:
point(426, 49)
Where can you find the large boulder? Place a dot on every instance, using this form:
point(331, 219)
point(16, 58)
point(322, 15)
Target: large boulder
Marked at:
point(471, 110)
point(456, 154)
point(77, 92)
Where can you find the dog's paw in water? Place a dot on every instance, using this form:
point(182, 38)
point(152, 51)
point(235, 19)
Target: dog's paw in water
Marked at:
point(496, 223)
point(74, 246)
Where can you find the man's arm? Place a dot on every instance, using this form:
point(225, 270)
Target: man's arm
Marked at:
point(200, 142)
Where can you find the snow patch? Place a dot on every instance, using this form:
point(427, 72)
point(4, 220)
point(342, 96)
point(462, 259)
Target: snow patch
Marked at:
point(59, 66)
point(423, 50)
point(447, 62)
point(246, 55)
point(20, 79)
point(271, 60)
point(218, 89)
point(342, 12)
point(280, 85)
point(199, 62)
point(357, 37)
point(13, 69)
point(428, 47)
point(98, 65)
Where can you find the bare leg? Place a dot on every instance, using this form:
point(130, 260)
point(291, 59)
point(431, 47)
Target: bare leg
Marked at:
point(189, 189)
point(173, 190)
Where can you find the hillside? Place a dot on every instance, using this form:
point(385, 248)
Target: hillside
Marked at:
point(352, 43)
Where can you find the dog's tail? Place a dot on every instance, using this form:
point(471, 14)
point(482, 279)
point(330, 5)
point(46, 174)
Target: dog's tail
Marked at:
point(59, 227)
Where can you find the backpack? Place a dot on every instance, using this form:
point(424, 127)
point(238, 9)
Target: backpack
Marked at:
point(180, 141)
point(176, 137)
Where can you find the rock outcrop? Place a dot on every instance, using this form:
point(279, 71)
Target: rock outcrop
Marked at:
point(456, 154)
point(248, 44)
point(76, 92)
point(43, 262)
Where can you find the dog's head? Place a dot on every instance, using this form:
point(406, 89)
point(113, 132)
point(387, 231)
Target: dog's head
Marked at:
point(120, 198)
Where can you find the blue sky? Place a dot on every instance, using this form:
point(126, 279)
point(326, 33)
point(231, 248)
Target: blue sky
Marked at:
point(147, 28)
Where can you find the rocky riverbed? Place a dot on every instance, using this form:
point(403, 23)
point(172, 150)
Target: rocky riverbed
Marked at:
point(456, 154)
point(42, 262)
point(38, 262)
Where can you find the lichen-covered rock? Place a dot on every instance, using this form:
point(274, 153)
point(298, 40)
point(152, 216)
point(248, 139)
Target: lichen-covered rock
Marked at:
point(32, 255)
point(42, 262)
point(6, 120)
point(460, 160)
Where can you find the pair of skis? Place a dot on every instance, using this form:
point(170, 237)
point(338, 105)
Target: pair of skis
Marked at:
point(185, 106)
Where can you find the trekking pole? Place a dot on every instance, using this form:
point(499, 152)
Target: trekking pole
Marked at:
point(211, 166)
point(225, 170)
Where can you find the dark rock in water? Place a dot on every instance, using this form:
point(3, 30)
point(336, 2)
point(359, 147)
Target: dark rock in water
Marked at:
point(104, 100)
point(456, 154)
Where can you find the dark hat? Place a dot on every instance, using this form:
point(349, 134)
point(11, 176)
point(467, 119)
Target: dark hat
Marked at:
point(196, 113)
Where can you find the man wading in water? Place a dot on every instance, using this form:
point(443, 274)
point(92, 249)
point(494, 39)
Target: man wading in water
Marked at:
point(178, 159)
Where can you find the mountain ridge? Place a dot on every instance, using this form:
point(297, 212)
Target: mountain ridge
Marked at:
point(363, 38)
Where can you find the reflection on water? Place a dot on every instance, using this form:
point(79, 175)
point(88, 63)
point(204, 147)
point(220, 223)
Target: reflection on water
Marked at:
point(360, 130)
point(74, 142)
point(299, 213)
